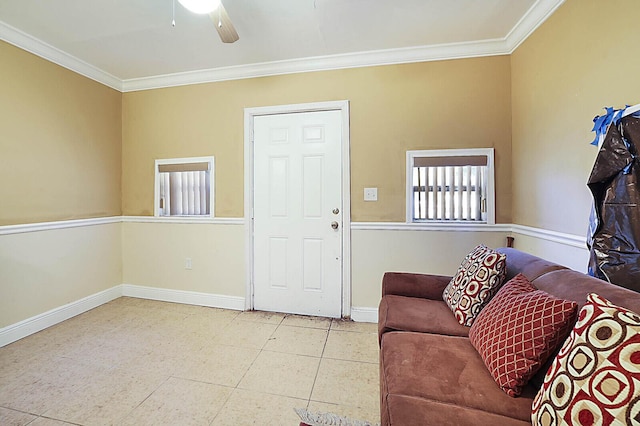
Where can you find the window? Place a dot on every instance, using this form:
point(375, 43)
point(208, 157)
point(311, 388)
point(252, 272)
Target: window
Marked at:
point(450, 185)
point(184, 187)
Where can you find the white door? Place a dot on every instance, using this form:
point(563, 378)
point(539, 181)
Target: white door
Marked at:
point(298, 213)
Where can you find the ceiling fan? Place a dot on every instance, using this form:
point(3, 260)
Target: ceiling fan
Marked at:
point(218, 14)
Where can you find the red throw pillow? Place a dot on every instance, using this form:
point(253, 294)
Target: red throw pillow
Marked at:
point(595, 378)
point(518, 330)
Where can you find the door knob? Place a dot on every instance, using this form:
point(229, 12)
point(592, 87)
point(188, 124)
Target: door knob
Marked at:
point(334, 224)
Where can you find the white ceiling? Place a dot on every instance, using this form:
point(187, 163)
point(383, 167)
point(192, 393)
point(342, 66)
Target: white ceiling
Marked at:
point(131, 44)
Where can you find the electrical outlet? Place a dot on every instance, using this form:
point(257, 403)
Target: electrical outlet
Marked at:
point(371, 194)
point(187, 263)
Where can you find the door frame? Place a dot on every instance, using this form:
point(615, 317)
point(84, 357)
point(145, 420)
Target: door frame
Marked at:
point(249, 114)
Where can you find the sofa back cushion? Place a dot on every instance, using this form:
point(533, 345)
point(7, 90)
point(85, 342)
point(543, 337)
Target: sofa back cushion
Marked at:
point(576, 286)
point(479, 276)
point(519, 262)
point(518, 330)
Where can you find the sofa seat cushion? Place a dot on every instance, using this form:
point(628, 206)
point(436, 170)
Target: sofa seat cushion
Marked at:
point(407, 410)
point(448, 370)
point(401, 313)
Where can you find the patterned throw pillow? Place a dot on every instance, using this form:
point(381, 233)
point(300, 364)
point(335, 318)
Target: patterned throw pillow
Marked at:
point(519, 330)
point(479, 276)
point(595, 378)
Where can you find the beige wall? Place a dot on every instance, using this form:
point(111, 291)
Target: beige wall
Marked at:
point(447, 104)
point(60, 144)
point(60, 158)
point(583, 58)
point(153, 255)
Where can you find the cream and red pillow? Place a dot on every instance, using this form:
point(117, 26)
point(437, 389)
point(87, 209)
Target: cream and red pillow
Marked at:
point(595, 378)
point(518, 330)
point(479, 276)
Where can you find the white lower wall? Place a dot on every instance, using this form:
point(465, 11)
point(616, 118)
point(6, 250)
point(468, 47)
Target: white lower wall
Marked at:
point(154, 253)
point(49, 273)
point(564, 249)
point(42, 269)
point(376, 251)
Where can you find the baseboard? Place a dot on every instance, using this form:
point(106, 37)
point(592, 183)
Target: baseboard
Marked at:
point(39, 322)
point(360, 314)
point(47, 319)
point(186, 297)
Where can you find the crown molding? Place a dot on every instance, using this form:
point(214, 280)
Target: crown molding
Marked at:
point(323, 63)
point(39, 48)
point(534, 17)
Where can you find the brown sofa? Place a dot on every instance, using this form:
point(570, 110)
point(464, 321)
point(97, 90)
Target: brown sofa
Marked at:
point(430, 374)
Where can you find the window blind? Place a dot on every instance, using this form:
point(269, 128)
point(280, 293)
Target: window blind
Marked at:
point(449, 188)
point(184, 193)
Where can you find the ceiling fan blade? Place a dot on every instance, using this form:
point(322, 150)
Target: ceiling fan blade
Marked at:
point(223, 24)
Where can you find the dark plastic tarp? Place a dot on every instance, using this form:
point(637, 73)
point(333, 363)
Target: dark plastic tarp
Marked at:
point(614, 234)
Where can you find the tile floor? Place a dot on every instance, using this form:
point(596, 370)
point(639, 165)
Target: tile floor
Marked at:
point(142, 362)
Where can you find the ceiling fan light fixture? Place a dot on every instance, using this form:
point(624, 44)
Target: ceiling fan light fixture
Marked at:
point(200, 6)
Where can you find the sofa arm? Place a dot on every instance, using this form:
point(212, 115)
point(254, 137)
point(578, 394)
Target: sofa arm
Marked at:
point(414, 285)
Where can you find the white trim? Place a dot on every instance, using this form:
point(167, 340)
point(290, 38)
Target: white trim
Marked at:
point(543, 234)
point(47, 319)
point(186, 297)
point(554, 236)
point(447, 227)
point(52, 54)
point(249, 114)
point(438, 52)
point(248, 208)
point(184, 220)
point(360, 314)
point(61, 224)
point(534, 17)
point(79, 223)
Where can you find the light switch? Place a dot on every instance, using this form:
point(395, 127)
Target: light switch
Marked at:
point(371, 194)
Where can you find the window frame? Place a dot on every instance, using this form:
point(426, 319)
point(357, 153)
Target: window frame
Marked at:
point(464, 152)
point(184, 160)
